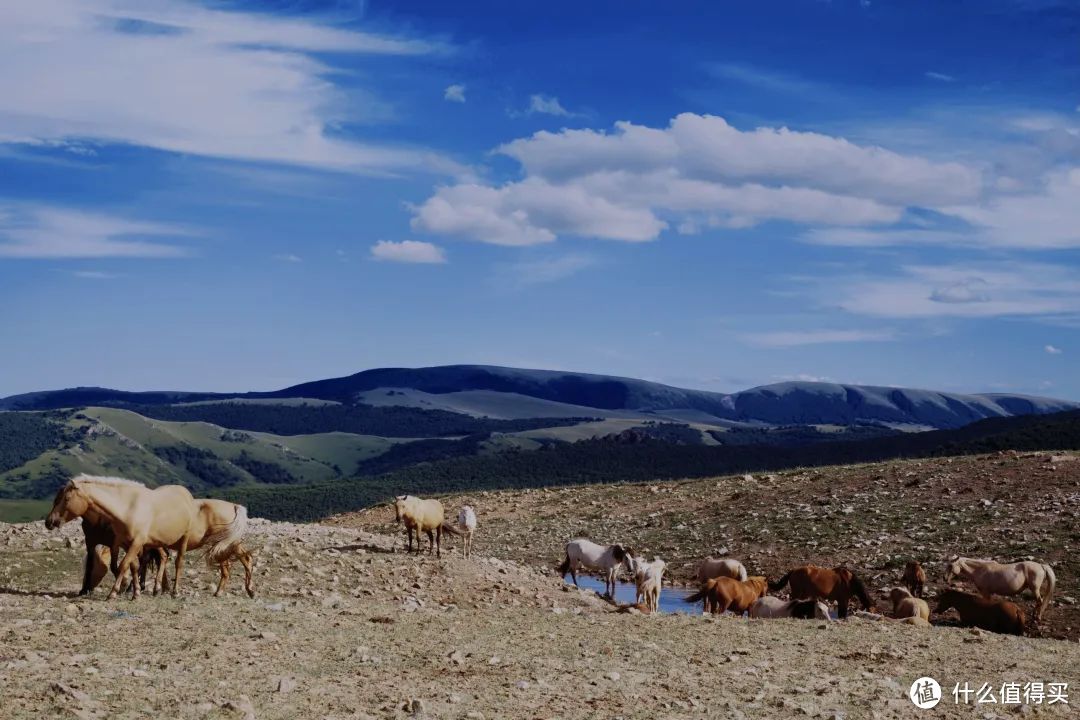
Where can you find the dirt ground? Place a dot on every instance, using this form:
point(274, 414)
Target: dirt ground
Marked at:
point(344, 628)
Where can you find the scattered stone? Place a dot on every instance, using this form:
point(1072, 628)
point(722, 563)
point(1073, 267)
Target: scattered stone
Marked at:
point(286, 685)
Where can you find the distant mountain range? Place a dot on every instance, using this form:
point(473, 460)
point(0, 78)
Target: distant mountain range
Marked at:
point(512, 393)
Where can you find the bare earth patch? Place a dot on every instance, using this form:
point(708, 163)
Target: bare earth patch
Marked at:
point(344, 628)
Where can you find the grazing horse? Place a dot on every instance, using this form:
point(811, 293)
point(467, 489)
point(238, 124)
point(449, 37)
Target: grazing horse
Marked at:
point(906, 605)
point(582, 553)
point(648, 578)
point(720, 567)
point(139, 517)
point(1000, 616)
point(990, 577)
point(423, 516)
point(914, 578)
point(774, 607)
point(467, 521)
point(839, 584)
point(723, 593)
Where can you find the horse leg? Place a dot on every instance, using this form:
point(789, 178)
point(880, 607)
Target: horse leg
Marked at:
point(431, 541)
point(223, 567)
point(842, 608)
point(130, 556)
point(88, 567)
point(409, 530)
point(573, 574)
point(179, 567)
point(438, 541)
point(245, 560)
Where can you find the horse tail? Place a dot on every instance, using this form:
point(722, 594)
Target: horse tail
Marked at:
point(779, 584)
point(565, 567)
point(1049, 583)
point(221, 542)
point(696, 597)
point(452, 529)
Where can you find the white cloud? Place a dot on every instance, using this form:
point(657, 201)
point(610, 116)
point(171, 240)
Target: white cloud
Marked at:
point(407, 251)
point(454, 93)
point(289, 258)
point(804, 377)
point(940, 77)
point(183, 78)
point(633, 183)
point(94, 275)
point(796, 338)
point(541, 272)
point(1051, 350)
point(40, 231)
point(999, 289)
point(547, 105)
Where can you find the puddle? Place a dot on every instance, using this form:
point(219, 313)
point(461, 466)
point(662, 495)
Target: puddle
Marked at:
point(671, 599)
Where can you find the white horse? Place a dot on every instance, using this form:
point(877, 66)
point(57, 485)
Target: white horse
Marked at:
point(721, 567)
point(648, 577)
point(990, 577)
point(774, 607)
point(467, 520)
point(582, 553)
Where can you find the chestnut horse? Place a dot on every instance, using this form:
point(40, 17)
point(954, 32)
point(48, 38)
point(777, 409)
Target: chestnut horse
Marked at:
point(914, 578)
point(723, 593)
point(839, 584)
point(139, 517)
point(1000, 616)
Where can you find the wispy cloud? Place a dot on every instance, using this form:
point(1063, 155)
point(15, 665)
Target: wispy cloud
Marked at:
point(1052, 350)
point(454, 93)
point(185, 78)
point(796, 338)
point(288, 257)
point(408, 251)
point(766, 79)
point(48, 232)
point(541, 272)
point(940, 77)
point(547, 105)
point(94, 275)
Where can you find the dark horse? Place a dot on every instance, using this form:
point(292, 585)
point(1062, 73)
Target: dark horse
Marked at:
point(1000, 616)
point(839, 584)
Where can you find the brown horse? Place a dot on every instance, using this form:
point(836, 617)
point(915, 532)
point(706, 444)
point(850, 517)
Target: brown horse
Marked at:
point(914, 578)
point(839, 584)
point(100, 558)
point(140, 517)
point(1000, 616)
point(723, 593)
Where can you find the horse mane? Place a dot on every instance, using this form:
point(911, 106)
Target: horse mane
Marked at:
point(105, 480)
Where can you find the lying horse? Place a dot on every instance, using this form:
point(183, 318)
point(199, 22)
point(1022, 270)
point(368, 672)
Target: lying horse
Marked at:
point(839, 584)
point(774, 607)
point(914, 578)
point(723, 593)
point(648, 578)
point(139, 517)
point(991, 578)
point(582, 553)
point(906, 605)
point(424, 516)
point(1000, 616)
point(712, 567)
point(467, 522)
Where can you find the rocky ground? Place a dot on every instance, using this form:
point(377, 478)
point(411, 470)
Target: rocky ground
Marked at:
point(344, 627)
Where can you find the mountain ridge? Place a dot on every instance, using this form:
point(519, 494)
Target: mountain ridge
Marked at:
point(793, 402)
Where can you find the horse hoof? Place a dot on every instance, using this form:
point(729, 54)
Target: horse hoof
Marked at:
point(251, 593)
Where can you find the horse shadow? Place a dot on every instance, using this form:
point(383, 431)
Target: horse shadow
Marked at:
point(370, 547)
point(37, 593)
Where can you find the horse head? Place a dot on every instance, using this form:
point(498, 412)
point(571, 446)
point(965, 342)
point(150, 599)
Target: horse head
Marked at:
point(620, 553)
point(70, 502)
point(954, 568)
point(855, 585)
point(946, 599)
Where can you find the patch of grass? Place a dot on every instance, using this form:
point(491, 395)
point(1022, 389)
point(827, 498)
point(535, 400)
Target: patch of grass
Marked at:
point(20, 511)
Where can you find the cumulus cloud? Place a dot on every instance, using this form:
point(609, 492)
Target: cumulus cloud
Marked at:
point(699, 171)
point(547, 105)
point(454, 93)
point(1052, 350)
point(180, 77)
point(408, 251)
point(48, 232)
point(796, 338)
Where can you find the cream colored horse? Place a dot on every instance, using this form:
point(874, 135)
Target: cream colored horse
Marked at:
point(218, 529)
point(990, 578)
point(140, 517)
point(423, 516)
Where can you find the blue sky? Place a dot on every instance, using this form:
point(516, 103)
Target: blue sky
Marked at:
point(231, 196)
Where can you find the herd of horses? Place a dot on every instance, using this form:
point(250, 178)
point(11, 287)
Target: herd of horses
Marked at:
point(147, 523)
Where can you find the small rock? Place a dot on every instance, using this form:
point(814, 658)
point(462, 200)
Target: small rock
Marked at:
point(495, 660)
point(521, 685)
point(286, 685)
point(613, 676)
point(456, 657)
point(268, 636)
